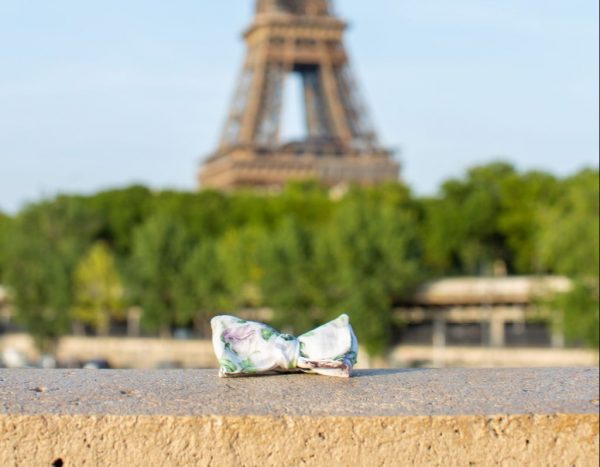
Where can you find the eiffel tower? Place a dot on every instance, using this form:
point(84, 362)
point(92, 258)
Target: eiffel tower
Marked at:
point(302, 37)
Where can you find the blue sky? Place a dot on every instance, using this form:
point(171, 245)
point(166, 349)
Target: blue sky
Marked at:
point(103, 93)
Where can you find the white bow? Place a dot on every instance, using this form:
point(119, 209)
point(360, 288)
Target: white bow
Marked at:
point(247, 347)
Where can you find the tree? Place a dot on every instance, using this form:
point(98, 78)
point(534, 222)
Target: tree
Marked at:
point(249, 208)
point(119, 212)
point(160, 249)
point(239, 257)
point(523, 196)
point(187, 256)
point(292, 283)
point(568, 234)
point(579, 313)
point(569, 244)
point(98, 292)
point(306, 201)
point(203, 291)
point(5, 224)
point(204, 214)
point(375, 264)
point(461, 232)
point(43, 248)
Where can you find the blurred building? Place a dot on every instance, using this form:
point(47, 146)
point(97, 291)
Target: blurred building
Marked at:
point(303, 37)
point(455, 320)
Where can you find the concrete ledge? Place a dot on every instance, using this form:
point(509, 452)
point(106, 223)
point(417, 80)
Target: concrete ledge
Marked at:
point(387, 417)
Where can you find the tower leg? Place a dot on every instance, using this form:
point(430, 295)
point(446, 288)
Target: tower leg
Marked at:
point(317, 118)
point(231, 132)
point(259, 65)
point(269, 116)
point(332, 97)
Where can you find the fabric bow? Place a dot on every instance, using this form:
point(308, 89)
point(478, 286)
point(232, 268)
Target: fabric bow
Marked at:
point(246, 348)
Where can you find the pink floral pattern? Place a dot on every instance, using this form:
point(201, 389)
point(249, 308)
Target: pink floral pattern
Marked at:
point(241, 339)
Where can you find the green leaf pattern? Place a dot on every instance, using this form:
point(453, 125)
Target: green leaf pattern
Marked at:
point(247, 366)
point(228, 365)
point(302, 352)
point(266, 333)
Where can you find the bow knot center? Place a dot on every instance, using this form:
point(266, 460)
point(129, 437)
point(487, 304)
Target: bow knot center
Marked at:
point(288, 349)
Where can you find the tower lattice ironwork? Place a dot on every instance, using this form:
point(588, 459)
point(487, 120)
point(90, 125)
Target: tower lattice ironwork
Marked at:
point(302, 37)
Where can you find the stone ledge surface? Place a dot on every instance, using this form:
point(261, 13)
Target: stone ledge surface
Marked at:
point(378, 417)
point(419, 392)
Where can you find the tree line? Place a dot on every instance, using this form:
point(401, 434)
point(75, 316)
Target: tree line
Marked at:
point(183, 257)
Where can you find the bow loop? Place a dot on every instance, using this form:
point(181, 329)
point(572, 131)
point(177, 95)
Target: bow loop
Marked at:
point(247, 347)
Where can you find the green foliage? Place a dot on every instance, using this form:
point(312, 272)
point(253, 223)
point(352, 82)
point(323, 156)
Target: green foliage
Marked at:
point(578, 311)
point(462, 232)
point(239, 259)
point(569, 244)
point(375, 252)
point(308, 202)
point(98, 291)
point(119, 213)
point(204, 214)
point(247, 209)
point(308, 255)
point(292, 281)
point(43, 247)
point(5, 224)
point(161, 247)
point(202, 292)
point(569, 233)
point(523, 197)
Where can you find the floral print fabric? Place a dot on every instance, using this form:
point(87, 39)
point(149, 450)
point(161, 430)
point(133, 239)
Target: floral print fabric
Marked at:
point(246, 348)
